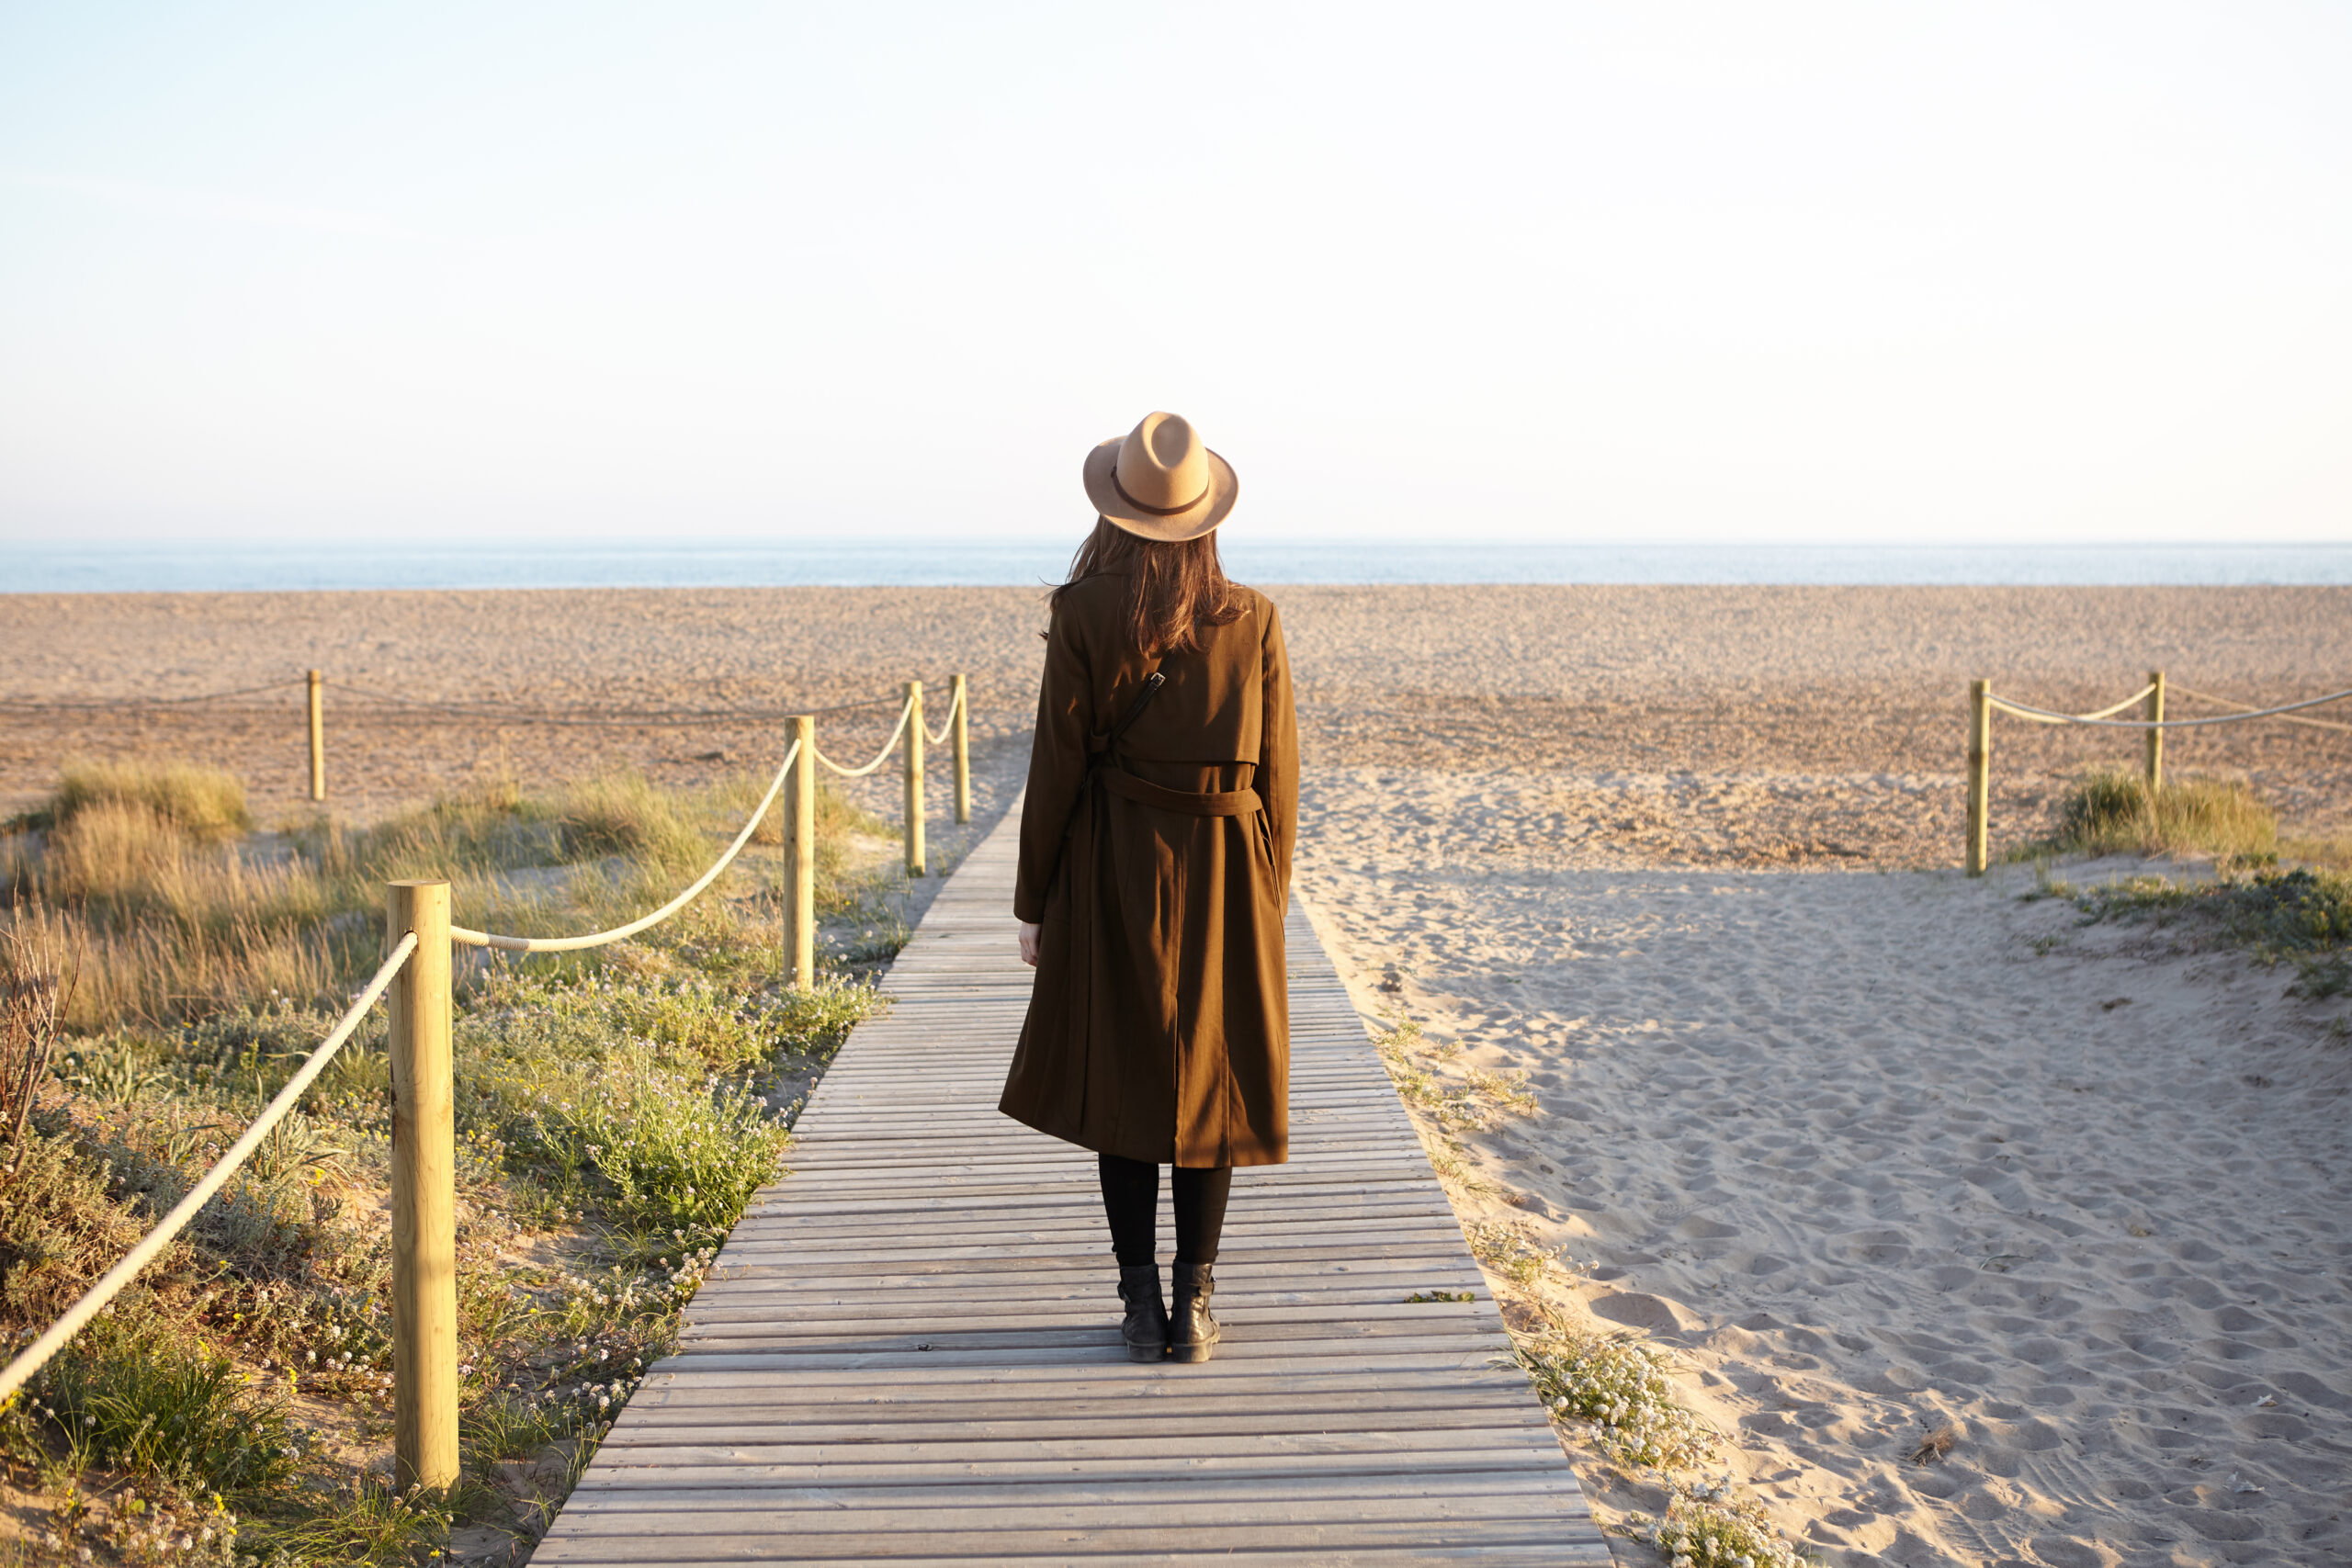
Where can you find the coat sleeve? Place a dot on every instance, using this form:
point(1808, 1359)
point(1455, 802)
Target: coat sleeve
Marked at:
point(1277, 777)
point(1057, 767)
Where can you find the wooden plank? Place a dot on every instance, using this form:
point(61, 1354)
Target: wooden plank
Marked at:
point(908, 1351)
point(1159, 1490)
point(1498, 1556)
point(1401, 1465)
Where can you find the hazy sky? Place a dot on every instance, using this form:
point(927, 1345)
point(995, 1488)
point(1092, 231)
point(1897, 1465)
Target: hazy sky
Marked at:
point(1871, 272)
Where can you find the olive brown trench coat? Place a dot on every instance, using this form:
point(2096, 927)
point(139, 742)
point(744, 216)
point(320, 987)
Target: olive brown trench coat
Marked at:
point(1159, 1026)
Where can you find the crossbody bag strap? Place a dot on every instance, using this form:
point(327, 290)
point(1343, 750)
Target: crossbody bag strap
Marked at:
point(1110, 752)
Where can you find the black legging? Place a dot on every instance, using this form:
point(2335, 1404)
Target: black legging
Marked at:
point(1131, 1201)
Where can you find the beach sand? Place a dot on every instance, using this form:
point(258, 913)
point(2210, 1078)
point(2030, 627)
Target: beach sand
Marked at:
point(1721, 726)
point(1878, 1152)
point(1872, 1146)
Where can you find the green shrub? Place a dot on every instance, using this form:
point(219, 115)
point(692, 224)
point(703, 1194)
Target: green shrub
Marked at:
point(148, 1404)
point(2320, 978)
point(61, 1224)
point(728, 1033)
point(529, 1016)
point(2275, 911)
point(371, 1522)
point(673, 1149)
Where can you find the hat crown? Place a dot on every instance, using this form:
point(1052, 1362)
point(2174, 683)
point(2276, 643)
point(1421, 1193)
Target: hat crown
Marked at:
point(1162, 465)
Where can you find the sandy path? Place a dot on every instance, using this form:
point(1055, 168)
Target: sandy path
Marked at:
point(1875, 1161)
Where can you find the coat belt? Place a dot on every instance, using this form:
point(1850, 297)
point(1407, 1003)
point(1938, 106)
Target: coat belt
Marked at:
point(1185, 802)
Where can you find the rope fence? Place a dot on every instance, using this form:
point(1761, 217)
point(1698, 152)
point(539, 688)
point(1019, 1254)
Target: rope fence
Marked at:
point(466, 938)
point(415, 978)
point(2248, 710)
point(2153, 724)
point(482, 712)
point(42, 705)
point(879, 757)
point(35, 1356)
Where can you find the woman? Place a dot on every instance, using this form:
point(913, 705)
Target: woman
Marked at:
point(1155, 869)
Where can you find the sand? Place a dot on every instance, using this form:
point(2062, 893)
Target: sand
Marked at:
point(1879, 1152)
point(1873, 1146)
point(1738, 726)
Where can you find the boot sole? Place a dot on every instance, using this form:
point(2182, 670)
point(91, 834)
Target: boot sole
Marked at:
point(1191, 1352)
point(1146, 1352)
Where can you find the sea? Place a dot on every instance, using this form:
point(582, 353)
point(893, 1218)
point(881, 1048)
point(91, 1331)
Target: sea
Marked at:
point(925, 563)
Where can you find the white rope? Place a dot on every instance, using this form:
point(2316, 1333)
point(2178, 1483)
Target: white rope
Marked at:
point(38, 1353)
point(2044, 716)
point(466, 938)
point(2246, 712)
point(887, 747)
point(945, 724)
point(2134, 700)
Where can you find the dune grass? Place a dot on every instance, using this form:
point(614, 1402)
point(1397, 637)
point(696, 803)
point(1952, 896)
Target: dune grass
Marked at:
point(172, 910)
point(2114, 812)
point(615, 1113)
point(203, 803)
point(2330, 852)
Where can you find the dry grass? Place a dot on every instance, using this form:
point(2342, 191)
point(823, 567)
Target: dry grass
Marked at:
point(839, 819)
point(143, 877)
point(204, 803)
point(1428, 1076)
point(2115, 812)
point(2332, 852)
point(35, 991)
point(621, 813)
point(1936, 1444)
point(159, 924)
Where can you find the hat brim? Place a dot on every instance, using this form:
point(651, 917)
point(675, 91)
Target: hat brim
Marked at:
point(1169, 527)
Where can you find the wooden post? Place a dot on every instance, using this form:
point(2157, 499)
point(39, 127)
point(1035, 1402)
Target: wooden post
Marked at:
point(318, 742)
point(963, 696)
point(1980, 771)
point(424, 1194)
point(801, 858)
point(914, 778)
point(2155, 736)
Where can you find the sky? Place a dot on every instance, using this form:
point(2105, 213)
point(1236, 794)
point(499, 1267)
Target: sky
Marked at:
point(1876, 273)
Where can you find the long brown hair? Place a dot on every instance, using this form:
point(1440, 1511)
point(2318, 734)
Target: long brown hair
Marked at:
point(1173, 589)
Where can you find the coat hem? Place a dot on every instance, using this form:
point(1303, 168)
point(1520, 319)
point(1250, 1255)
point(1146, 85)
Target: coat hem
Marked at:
point(1166, 1155)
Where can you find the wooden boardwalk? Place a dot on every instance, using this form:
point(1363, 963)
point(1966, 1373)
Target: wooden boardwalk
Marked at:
point(909, 1352)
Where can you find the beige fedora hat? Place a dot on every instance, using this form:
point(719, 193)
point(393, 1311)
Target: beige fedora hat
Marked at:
point(1158, 481)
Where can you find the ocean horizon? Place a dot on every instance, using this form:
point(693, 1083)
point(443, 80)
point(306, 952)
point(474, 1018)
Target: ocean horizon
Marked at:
point(918, 563)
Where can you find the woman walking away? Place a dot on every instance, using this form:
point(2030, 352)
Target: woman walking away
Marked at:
point(1155, 871)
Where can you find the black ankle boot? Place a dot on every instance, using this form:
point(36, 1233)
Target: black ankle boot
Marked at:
point(1145, 1329)
point(1191, 1330)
